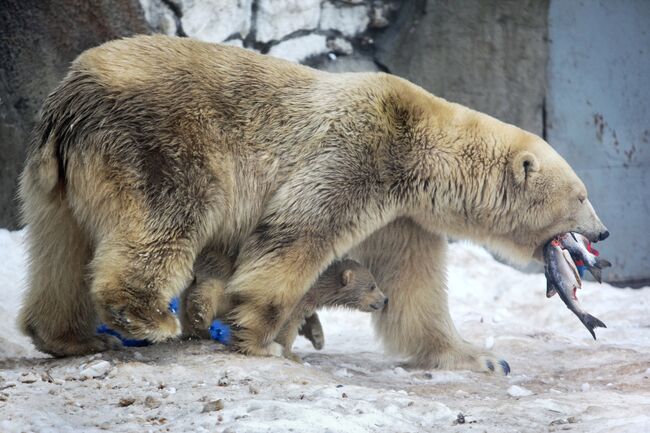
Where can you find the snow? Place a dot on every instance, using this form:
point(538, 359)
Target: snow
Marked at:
point(215, 20)
point(95, 369)
point(276, 19)
point(570, 381)
point(349, 20)
point(518, 391)
point(299, 48)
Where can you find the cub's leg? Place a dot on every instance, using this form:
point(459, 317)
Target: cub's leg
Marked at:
point(134, 278)
point(409, 265)
point(288, 335)
point(202, 302)
point(206, 297)
point(313, 331)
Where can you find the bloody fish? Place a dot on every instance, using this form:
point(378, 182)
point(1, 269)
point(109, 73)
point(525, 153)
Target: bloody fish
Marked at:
point(584, 254)
point(562, 277)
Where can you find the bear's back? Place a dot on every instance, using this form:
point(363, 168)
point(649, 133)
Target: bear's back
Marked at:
point(141, 60)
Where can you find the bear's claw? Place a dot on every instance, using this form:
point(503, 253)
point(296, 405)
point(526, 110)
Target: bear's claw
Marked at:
point(505, 366)
point(157, 326)
point(495, 366)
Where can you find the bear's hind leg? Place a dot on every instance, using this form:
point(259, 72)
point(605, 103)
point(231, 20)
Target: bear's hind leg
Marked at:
point(134, 279)
point(58, 313)
point(409, 265)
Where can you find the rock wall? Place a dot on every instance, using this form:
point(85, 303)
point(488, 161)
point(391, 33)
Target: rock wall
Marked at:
point(296, 30)
point(38, 39)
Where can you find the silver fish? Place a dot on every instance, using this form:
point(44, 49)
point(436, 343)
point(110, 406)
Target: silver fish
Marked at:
point(579, 248)
point(562, 277)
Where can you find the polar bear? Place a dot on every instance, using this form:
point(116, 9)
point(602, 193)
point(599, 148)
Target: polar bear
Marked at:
point(154, 147)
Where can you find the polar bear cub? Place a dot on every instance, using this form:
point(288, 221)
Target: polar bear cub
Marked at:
point(345, 283)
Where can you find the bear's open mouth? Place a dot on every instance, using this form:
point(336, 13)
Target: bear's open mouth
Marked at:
point(538, 254)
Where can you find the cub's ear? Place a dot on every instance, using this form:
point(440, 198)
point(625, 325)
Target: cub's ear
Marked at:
point(346, 277)
point(524, 164)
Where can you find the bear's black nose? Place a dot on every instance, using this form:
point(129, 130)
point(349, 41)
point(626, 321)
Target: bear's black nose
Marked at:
point(386, 301)
point(604, 235)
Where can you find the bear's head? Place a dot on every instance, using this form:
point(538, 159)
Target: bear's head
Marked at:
point(498, 185)
point(545, 198)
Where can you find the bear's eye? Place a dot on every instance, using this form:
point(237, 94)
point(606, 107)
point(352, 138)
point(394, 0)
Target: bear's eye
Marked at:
point(373, 287)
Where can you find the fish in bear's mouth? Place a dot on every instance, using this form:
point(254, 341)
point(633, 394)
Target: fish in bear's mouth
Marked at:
point(566, 257)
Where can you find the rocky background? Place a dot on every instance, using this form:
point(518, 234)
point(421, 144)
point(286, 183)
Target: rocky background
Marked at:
point(492, 55)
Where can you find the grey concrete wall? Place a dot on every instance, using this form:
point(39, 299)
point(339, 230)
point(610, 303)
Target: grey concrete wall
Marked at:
point(598, 106)
point(487, 54)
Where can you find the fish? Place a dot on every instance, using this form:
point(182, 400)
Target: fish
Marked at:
point(562, 277)
point(581, 251)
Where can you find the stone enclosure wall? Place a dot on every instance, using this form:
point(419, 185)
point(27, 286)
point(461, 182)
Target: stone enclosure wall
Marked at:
point(295, 30)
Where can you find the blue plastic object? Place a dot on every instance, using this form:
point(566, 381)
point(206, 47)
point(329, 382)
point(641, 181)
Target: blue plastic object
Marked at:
point(127, 342)
point(132, 342)
point(220, 332)
point(174, 305)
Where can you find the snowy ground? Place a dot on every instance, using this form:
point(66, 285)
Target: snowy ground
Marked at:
point(567, 381)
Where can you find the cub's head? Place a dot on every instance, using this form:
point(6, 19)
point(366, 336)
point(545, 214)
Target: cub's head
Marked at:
point(357, 288)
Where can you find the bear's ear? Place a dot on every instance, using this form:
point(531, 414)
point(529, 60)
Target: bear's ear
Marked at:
point(346, 277)
point(523, 165)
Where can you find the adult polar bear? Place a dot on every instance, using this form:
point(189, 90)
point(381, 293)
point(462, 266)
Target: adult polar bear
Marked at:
point(154, 148)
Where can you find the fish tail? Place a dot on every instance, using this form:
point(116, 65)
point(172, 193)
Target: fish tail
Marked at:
point(602, 263)
point(597, 273)
point(591, 322)
point(596, 268)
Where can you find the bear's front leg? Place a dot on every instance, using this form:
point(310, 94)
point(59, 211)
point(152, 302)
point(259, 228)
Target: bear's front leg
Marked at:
point(323, 211)
point(409, 264)
point(265, 291)
point(134, 281)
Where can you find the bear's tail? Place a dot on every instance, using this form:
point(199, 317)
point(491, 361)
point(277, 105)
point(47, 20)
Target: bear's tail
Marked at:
point(57, 311)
